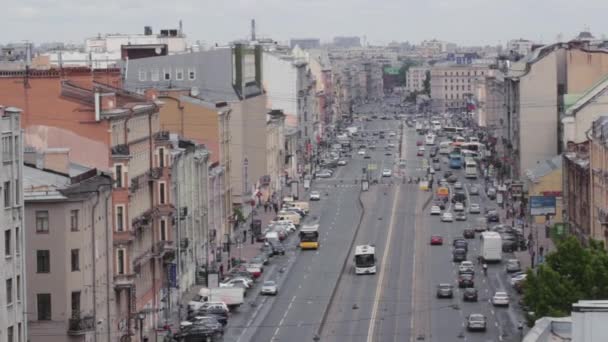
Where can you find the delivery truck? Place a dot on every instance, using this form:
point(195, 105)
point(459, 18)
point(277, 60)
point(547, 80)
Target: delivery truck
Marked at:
point(231, 296)
point(491, 247)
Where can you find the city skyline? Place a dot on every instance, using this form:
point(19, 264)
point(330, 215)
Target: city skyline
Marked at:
point(71, 21)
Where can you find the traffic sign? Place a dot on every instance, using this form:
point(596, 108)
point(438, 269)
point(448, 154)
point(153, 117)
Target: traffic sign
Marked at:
point(372, 166)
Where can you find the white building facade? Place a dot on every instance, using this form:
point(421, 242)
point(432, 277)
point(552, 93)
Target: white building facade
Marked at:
point(13, 325)
point(415, 77)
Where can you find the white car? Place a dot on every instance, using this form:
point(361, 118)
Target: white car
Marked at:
point(288, 225)
point(387, 173)
point(323, 174)
point(314, 196)
point(458, 206)
point(447, 217)
point(466, 266)
point(518, 278)
point(457, 185)
point(474, 208)
point(341, 162)
point(435, 210)
point(361, 152)
point(270, 288)
point(500, 299)
point(237, 282)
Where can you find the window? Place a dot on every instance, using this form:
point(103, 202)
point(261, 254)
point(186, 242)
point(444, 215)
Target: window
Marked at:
point(44, 306)
point(42, 221)
point(142, 75)
point(17, 241)
point(7, 149)
point(9, 334)
point(7, 243)
point(75, 260)
point(167, 74)
point(9, 291)
point(43, 261)
point(179, 74)
point(18, 288)
point(19, 332)
point(163, 229)
point(7, 194)
point(154, 76)
point(118, 175)
point(161, 157)
point(120, 261)
point(191, 74)
point(161, 189)
point(17, 194)
point(469, 87)
point(120, 218)
point(74, 219)
point(446, 87)
point(76, 304)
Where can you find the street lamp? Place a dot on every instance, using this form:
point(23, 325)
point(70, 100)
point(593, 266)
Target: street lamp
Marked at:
point(141, 316)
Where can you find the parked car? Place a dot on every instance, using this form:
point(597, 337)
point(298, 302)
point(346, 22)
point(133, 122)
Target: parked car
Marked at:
point(513, 265)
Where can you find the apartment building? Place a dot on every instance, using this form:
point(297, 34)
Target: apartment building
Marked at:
point(577, 190)
point(598, 165)
point(452, 85)
point(13, 323)
point(189, 186)
point(233, 76)
point(275, 136)
point(70, 249)
point(520, 46)
point(115, 131)
point(415, 79)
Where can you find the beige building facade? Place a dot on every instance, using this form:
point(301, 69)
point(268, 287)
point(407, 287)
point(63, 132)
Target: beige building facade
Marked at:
point(453, 85)
point(598, 165)
point(414, 79)
point(70, 251)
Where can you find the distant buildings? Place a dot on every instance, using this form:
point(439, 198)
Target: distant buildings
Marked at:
point(175, 39)
point(452, 85)
point(305, 43)
point(13, 320)
point(346, 42)
point(415, 77)
point(520, 46)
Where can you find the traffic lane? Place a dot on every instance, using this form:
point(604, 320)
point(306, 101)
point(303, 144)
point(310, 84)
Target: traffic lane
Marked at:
point(305, 317)
point(350, 313)
point(338, 211)
point(396, 302)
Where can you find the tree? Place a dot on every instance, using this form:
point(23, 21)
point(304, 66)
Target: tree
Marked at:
point(571, 273)
point(427, 83)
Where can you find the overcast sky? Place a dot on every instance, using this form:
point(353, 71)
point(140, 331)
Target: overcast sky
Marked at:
point(470, 22)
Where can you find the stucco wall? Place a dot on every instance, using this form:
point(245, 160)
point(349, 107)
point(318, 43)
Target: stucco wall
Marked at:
point(551, 182)
point(584, 69)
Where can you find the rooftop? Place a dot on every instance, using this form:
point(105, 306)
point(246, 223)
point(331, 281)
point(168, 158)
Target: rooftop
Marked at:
point(550, 329)
point(589, 96)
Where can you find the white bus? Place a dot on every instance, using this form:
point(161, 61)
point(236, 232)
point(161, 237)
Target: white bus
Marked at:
point(365, 259)
point(470, 168)
point(491, 246)
point(445, 147)
point(430, 139)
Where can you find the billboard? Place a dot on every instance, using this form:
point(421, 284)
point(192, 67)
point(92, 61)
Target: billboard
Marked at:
point(542, 205)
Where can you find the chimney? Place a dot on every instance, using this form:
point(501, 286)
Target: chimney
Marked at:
point(148, 30)
point(32, 157)
point(56, 159)
point(151, 94)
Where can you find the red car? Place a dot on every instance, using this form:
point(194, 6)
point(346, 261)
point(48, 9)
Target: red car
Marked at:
point(420, 153)
point(419, 143)
point(436, 240)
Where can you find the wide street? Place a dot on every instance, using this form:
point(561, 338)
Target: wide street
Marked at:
point(321, 296)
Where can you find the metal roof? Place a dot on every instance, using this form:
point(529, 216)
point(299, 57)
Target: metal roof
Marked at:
point(40, 184)
point(544, 168)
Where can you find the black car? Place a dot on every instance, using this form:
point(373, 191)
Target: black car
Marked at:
point(461, 243)
point(459, 196)
point(466, 280)
point(440, 204)
point(452, 179)
point(468, 233)
point(469, 294)
point(447, 174)
point(219, 314)
point(492, 216)
point(199, 332)
point(445, 291)
point(459, 254)
point(509, 246)
point(277, 248)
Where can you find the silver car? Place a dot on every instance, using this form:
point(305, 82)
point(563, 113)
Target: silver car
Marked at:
point(270, 288)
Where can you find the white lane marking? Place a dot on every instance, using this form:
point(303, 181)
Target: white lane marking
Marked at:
point(379, 286)
point(492, 311)
point(276, 332)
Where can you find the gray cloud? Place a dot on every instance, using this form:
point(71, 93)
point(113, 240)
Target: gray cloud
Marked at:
point(461, 21)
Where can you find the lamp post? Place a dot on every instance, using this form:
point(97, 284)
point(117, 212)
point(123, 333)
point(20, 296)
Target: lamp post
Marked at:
point(141, 316)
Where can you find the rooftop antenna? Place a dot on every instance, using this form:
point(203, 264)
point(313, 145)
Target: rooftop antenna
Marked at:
point(181, 31)
point(253, 30)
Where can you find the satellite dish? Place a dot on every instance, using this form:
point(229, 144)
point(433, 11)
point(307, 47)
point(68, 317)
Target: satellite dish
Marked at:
point(194, 91)
point(158, 50)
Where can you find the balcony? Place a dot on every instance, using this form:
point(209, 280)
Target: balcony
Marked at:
point(142, 221)
point(121, 150)
point(124, 281)
point(164, 249)
point(162, 135)
point(80, 326)
point(155, 173)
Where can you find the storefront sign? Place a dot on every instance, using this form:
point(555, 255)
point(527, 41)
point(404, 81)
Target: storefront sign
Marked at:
point(542, 205)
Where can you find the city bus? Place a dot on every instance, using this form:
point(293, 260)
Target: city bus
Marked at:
point(445, 147)
point(309, 236)
point(436, 124)
point(452, 130)
point(365, 259)
point(455, 160)
point(470, 168)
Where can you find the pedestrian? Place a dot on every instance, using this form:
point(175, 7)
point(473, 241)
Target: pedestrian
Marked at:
point(266, 207)
point(276, 208)
point(244, 235)
point(221, 271)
